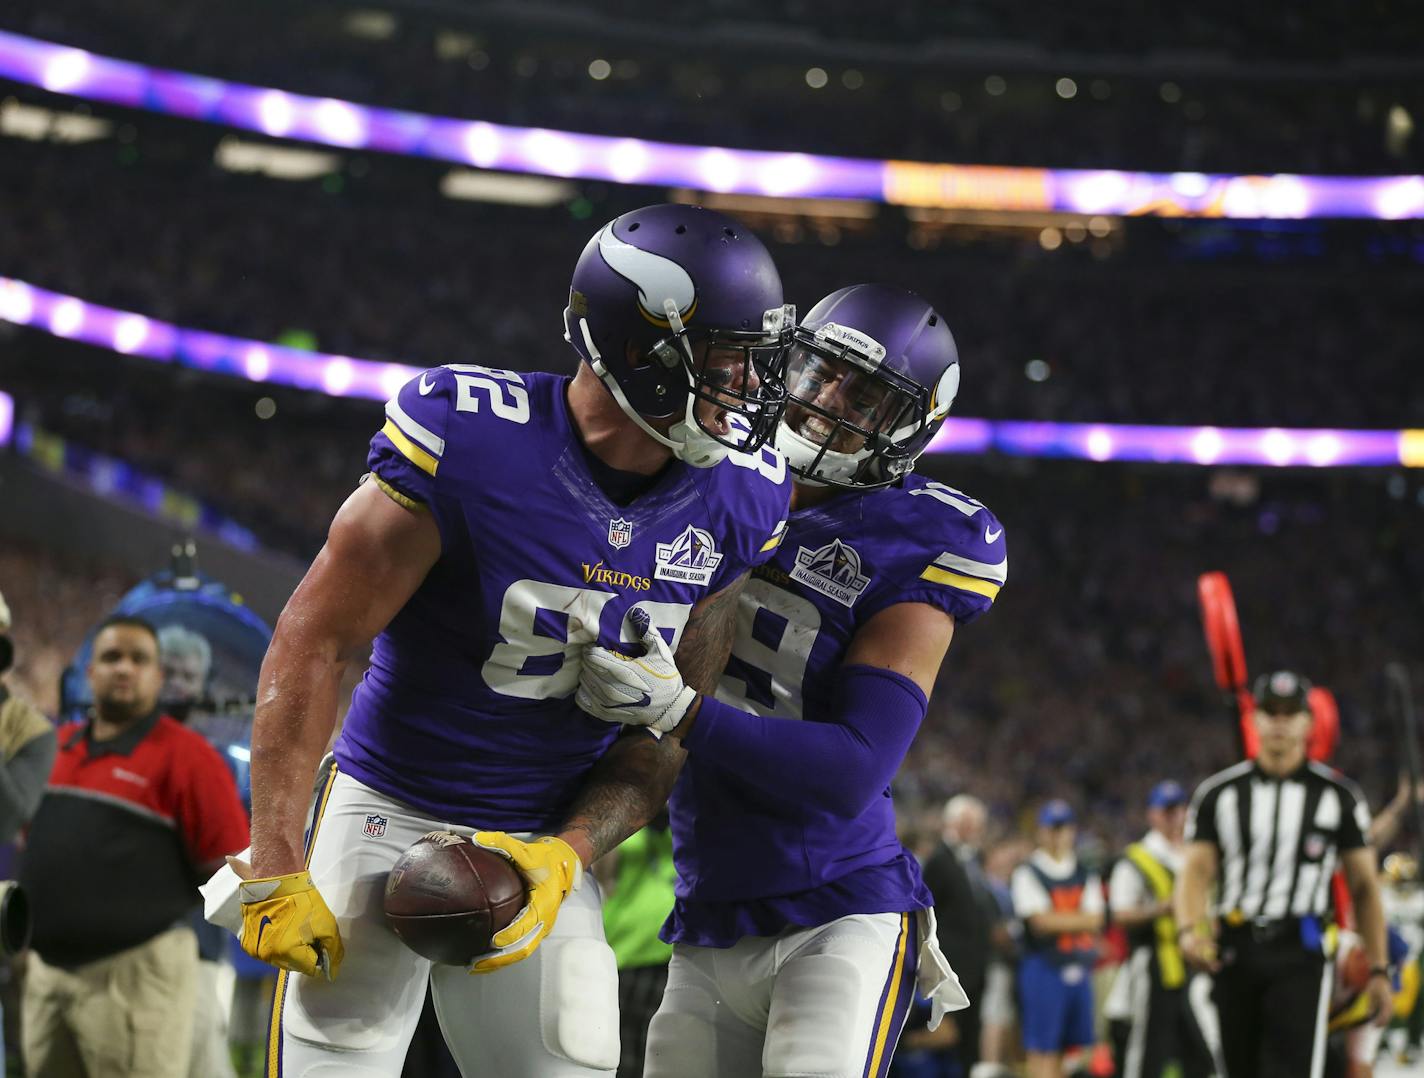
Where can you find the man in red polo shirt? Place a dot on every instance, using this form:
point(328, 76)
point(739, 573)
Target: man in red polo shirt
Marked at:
point(138, 810)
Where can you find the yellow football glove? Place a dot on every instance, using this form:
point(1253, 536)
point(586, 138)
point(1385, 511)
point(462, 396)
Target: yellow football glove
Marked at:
point(285, 922)
point(552, 870)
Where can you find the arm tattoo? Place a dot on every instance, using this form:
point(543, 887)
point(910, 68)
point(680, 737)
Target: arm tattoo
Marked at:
point(707, 641)
point(626, 788)
point(631, 781)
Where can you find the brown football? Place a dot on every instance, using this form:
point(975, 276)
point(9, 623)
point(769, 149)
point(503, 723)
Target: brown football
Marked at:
point(446, 897)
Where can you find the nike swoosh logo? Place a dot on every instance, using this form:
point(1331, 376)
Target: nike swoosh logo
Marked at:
point(425, 387)
point(992, 536)
point(261, 928)
point(644, 702)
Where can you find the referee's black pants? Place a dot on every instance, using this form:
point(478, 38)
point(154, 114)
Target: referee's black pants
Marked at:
point(1268, 997)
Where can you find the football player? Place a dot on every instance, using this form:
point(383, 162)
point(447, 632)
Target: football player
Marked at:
point(509, 520)
point(802, 925)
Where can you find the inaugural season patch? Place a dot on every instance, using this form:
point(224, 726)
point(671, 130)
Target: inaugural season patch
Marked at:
point(691, 558)
point(833, 570)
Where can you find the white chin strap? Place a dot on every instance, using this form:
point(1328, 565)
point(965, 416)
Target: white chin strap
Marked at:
point(686, 439)
point(801, 453)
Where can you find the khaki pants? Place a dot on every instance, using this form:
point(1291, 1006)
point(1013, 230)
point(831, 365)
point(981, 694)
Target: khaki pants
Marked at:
point(126, 1016)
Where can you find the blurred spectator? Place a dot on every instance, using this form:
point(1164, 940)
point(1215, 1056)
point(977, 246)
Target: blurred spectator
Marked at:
point(1157, 1026)
point(27, 746)
point(138, 811)
point(187, 659)
point(999, 1040)
point(1402, 894)
point(27, 751)
point(965, 914)
point(1061, 905)
point(1387, 822)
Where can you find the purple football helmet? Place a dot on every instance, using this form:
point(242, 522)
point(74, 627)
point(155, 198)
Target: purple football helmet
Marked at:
point(872, 372)
point(652, 286)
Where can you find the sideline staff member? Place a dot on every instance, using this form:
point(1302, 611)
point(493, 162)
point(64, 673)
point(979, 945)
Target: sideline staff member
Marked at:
point(1273, 830)
point(1162, 1026)
point(138, 810)
point(1061, 904)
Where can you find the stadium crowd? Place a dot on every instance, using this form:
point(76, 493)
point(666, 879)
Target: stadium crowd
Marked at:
point(738, 75)
point(55, 602)
point(381, 276)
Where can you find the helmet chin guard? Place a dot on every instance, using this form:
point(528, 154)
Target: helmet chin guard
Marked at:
point(806, 458)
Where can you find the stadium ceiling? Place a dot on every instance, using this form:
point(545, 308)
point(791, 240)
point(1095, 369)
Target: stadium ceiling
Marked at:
point(570, 155)
point(342, 376)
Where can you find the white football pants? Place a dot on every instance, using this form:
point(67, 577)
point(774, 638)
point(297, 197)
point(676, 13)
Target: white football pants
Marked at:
point(825, 1002)
point(552, 1015)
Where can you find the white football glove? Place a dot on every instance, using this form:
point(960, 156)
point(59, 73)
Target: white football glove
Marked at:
point(640, 690)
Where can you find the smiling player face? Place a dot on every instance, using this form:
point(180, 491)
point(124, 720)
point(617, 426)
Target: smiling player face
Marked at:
point(727, 371)
point(836, 387)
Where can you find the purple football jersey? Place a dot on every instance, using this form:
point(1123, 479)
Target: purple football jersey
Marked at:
point(467, 710)
point(747, 863)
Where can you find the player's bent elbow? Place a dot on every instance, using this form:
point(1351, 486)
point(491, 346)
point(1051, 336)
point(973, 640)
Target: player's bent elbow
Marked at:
point(850, 800)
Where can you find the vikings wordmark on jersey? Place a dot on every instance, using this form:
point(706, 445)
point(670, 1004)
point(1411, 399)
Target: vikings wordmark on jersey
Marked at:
point(467, 711)
point(747, 864)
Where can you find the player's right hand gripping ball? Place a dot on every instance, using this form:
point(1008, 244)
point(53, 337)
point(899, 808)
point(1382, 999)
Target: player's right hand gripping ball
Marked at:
point(553, 871)
point(640, 690)
point(285, 922)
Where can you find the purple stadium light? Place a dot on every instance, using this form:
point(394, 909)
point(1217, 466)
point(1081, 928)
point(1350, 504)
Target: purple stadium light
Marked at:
point(1274, 446)
point(255, 361)
point(342, 376)
point(7, 418)
point(331, 122)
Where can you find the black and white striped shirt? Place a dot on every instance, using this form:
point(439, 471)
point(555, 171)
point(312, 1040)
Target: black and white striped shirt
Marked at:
point(1279, 839)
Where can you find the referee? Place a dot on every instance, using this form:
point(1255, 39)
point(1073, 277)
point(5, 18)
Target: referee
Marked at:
point(1273, 831)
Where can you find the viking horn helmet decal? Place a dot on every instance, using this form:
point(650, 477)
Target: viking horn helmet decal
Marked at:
point(657, 278)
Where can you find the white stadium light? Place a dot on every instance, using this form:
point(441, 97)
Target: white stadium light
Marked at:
point(506, 188)
point(278, 162)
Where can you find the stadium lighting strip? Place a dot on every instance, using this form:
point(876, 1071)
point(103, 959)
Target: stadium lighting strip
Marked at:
point(332, 122)
point(342, 376)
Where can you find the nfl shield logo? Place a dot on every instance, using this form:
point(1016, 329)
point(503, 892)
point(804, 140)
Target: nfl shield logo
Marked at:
point(375, 826)
point(620, 533)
